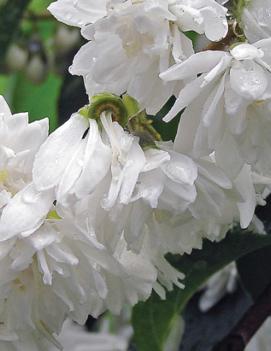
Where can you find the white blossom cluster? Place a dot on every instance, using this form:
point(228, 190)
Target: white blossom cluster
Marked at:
point(87, 214)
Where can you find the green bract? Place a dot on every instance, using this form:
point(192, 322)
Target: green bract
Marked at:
point(108, 102)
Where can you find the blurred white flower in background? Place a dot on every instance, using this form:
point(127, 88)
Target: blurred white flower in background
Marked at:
point(261, 341)
point(75, 338)
point(219, 285)
point(223, 283)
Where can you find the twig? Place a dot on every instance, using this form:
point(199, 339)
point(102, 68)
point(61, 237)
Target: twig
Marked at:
point(246, 328)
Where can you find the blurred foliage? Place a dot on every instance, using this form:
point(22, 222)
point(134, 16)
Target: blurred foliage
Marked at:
point(204, 330)
point(11, 13)
point(40, 100)
point(254, 269)
point(39, 5)
point(153, 319)
point(255, 272)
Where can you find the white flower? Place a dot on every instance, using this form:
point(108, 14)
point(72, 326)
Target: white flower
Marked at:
point(19, 142)
point(218, 100)
point(142, 39)
point(166, 182)
point(79, 12)
point(262, 339)
point(255, 143)
point(188, 199)
point(256, 20)
point(204, 17)
point(141, 43)
point(207, 16)
point(75, 338)
point(219, 285)
point(76, 166)
point(101, 187)
point(59, 260)
point(62, 270)
point(25, 341)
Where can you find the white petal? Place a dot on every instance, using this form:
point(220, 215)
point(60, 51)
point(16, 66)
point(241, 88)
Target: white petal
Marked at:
point(215, 26)
point(155, 158)
point(198, 63)
point(246, 52)
point(56, 152)
point(78, 13)
point(245, 186)
point(25, 211)
point(4, 108)
point(186, 96)
point(96, 163)
point(134, 164)
point(181, 169)
point(249, 82)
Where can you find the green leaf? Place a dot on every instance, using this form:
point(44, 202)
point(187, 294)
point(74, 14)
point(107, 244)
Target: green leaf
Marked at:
point(255, 271)
point(152, 320)
point(166, 130)
point(3, 83)
point(39, 5)
point(39, 100)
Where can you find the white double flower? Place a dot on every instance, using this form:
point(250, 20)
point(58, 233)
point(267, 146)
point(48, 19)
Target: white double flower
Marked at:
point(132, 42)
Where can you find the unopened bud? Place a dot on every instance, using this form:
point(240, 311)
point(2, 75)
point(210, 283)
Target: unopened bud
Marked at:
point(66, 39)
point(16, 58)
point(36, 69)
point(108, 102)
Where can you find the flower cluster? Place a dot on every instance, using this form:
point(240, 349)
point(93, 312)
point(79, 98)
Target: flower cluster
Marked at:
point(88, 213)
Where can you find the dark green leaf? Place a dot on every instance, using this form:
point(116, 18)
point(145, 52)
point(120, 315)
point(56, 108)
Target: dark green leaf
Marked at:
point(152, 320)
point(255, 271)
point(167, 130)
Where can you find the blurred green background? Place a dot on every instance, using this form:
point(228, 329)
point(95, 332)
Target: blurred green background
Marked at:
point(33, 32)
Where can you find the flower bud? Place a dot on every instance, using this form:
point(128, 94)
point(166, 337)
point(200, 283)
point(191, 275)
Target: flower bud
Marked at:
point(66, 39)
point(16, 58)
point(108, 102)
point(37, 66)
point(36, 69)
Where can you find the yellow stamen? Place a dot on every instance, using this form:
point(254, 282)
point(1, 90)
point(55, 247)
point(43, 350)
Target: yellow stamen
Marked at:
point(3, 176)
point(53, 215)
